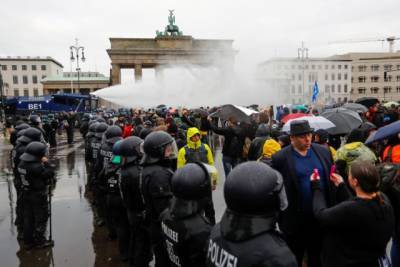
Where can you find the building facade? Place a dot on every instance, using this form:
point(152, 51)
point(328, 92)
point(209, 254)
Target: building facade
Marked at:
point(368, 75)
point(293, 79)
point(68, 82)
point(22, 75)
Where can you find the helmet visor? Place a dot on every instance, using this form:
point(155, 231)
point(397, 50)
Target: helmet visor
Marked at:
point(171, 151)
point(213, 174)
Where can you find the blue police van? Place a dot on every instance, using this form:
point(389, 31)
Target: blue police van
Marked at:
point(50, 104)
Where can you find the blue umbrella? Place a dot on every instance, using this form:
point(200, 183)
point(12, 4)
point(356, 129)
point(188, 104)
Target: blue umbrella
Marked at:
point(385, 132)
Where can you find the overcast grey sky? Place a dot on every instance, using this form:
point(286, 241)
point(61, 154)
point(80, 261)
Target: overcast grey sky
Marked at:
point(260, 28)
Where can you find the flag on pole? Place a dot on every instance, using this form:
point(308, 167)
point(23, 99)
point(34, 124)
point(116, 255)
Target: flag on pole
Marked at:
point(315, 92)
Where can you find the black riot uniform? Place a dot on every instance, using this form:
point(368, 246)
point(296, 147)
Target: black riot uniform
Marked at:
point(36, 176)
point(116, 211)
point(25, 137)
point(184, 227)
point(247, 235)
point(111, 136)
point(84, 125)
point(70, 117)
point(95, 145)
point(54, 124)
point(160, 151)
point(35, 122)
point(139, 242)
point(89, 138)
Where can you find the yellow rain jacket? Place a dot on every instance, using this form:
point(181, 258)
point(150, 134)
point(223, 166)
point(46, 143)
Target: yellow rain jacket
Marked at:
point(192, 148)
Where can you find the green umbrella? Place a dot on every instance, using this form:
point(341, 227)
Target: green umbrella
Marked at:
point(301, 107)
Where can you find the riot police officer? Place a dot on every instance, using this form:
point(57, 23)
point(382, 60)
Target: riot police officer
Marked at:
point(84, 124)
point(247, 236)
point(159, 159)
point(25, 137)
point(50, 126)
point(111, 136)
point(89, 138)
point(36, 122)
point(95, 149)
point(116, 210)
point(48, 129)
point(185, 229)
point(36, 175)
point(96, 142)
point(139, 243)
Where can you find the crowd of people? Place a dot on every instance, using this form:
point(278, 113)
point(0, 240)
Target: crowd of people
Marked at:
point(301, 196)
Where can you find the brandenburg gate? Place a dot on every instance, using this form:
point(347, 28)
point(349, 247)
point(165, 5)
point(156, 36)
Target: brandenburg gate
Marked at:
point(169, 48)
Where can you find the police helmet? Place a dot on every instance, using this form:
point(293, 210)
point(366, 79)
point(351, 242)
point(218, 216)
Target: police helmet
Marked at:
point(100, 119)
point(86, 117)
point(191, 182)
point(144, 133)
point(30, 134)
point(22, 126)
point(20, 133)
point(92, 126)
point(100, 129)
point(35, 119)
point(113, 134)
point(132, 148)
point(34, 152)
point(92, 121)
point(159, 146)
point(254, 188)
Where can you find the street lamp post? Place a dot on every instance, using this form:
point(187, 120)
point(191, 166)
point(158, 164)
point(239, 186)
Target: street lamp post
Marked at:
point(302, 54)
point(2, 113)
point(75, 53)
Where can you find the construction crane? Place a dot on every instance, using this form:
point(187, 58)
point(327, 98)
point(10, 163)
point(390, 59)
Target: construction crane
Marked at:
point(390, 40)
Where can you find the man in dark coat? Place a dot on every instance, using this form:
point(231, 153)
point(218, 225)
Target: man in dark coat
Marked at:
point(233, 143)
point(296, 163)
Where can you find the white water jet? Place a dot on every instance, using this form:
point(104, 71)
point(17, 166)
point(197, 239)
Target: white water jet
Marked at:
point(191, 86)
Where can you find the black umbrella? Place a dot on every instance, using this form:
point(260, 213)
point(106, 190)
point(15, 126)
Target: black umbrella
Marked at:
point(356, 107)
point(367, 101)
point(344, 119)
point(200, 111)
point(367, 126)
point(239, 113)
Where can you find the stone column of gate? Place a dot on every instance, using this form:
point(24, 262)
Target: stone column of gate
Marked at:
point(159, 72)
point(116, 74)
point(138, 72)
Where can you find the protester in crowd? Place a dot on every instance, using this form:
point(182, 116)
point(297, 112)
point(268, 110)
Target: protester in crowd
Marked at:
point(233, 143)
point(391, 152)
point(321, 137)
point(353, 150)
point(296, 162)
point(358, 229)
point(284, 140)
point(269, 149)
point(263, 133)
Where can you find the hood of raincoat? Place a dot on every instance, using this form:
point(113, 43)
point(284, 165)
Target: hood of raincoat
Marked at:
point(191, 132)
